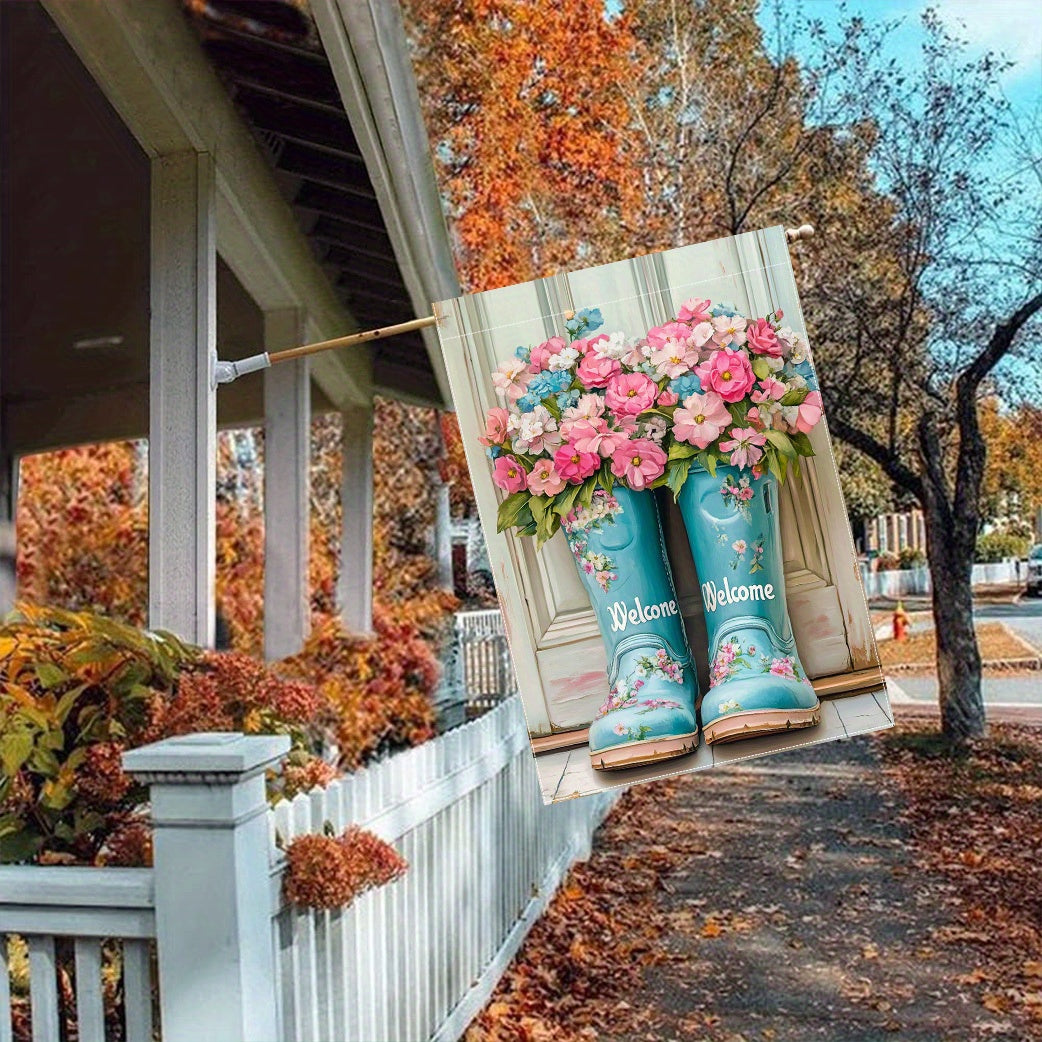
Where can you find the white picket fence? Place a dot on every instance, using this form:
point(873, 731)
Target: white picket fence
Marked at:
point(908, 582)
point(414, 960)
point(418, 959)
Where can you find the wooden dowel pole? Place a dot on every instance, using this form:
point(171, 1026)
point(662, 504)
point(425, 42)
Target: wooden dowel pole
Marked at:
point(354, 338)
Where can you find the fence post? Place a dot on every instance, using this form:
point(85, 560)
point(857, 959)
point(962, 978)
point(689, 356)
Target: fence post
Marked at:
point(212, 880)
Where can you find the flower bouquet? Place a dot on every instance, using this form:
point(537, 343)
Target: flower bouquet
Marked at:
point(591, 423)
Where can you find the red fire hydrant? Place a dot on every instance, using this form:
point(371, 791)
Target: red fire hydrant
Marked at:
point(901, 622)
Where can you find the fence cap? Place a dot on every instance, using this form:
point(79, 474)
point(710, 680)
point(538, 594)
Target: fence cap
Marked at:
point(222, 757)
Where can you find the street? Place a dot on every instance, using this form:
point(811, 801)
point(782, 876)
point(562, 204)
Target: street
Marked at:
point(1022, 614)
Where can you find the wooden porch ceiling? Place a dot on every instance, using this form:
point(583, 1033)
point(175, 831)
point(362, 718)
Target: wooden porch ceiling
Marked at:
point(268, 55)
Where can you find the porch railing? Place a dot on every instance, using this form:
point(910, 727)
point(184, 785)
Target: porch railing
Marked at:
point(414, 960)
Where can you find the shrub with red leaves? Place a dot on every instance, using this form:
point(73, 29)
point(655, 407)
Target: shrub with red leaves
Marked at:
point(330, 872)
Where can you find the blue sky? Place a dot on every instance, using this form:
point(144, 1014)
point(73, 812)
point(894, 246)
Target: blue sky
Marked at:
point(1012, 28)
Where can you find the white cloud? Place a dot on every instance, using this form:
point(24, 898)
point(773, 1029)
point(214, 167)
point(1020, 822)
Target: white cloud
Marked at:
point(1012, 28)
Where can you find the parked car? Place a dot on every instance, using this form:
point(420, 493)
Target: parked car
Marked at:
point(1034, 583)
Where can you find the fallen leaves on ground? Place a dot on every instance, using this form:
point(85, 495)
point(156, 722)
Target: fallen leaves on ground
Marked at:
point(977, 821)
point(587, 954)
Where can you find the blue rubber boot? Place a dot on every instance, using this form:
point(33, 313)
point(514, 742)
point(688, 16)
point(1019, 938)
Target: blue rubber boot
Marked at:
point(649, 713)
point(757, 684)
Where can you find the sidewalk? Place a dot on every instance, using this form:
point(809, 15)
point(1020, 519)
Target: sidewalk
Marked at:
point(777, 901)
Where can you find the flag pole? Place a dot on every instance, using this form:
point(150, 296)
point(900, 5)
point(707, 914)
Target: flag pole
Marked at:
point(226, 372)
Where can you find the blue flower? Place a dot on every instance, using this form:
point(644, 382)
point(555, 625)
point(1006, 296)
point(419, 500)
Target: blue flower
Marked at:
point(722, 309)
point(493, 452)
point(542, 384)
point(584, 320)
point(567, 399)
point(527, 402)
point(805, 370)
point(683, 386)
point(522, 353)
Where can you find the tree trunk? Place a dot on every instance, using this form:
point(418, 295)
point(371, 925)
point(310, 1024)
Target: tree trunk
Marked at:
point(958, 655)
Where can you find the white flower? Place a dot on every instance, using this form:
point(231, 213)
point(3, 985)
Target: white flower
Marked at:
point(564, 359)
point(514, 421)
point(535, 423)
point(654, 428)
point(616, 346)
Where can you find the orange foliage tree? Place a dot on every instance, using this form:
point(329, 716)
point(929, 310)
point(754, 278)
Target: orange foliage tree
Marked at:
point(83, 522)
point(530, 132)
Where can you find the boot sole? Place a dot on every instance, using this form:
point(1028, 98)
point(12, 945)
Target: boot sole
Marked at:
point(758, 722)
point(634, 754)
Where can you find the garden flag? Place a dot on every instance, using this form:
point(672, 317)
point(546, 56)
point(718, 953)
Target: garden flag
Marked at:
point(666, 531)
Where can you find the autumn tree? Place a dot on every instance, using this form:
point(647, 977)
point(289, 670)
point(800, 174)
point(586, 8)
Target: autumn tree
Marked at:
point(530, 133)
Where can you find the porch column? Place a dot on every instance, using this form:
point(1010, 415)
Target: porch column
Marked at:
point(182, 398)
point(356, 498)
point(287, 502)
point(443, 533)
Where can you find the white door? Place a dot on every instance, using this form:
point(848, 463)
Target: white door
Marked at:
point(554, 640)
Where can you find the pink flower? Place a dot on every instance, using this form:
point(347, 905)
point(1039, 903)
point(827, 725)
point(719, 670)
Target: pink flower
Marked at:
point(586, 345)
point(729, 329)
point(586, 408)
point(725, 654)
point(728, 373)
point(596, 370)
point(762, 340)
point(510, 379)
point(810, 410)
point(674, 358)
point(495, 427)
point(702, 334)
point(620, 729)
point(509, 475)
point(701, 419)
point(746, 446)
point(573, 465)
point(662, 335)
point(782, 667)
point(542, 354)
point(630, 394)
point(668, 397)
point(544, 479)
point(694, 310)
point(594, 436)
point(638, 463)
point(770, 390)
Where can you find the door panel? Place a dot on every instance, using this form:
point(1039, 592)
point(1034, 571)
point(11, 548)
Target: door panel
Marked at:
point(555, 644)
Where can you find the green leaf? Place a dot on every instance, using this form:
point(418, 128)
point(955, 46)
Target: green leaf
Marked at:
point(681, 450)
point(511, 510)
point(795, 396)
point(15, 749)
point(676, 475)
point(708, 461)
point(586, 491)
point(50, 675)
point(761, 368)
point(802, 443)
point(552, 407)
point(564, 501)
point(782, 442)
point(527, 529)
point(774, 466)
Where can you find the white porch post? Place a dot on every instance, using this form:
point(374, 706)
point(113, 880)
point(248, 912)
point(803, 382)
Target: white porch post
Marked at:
point(287, 506)
point(356, 498)
point(182, 396)
point(443, 533)
point(212, 883)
